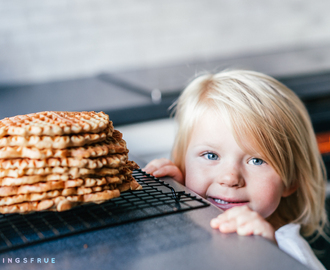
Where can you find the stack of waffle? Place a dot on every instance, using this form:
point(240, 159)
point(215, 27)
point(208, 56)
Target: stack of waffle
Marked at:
point(57, 160)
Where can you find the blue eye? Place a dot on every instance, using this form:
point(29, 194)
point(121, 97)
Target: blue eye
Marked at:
point(256, 161)
point(211, 156)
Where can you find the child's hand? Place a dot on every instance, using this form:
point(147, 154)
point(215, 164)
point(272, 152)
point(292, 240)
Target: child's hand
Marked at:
point(164, 167)
point(244, 221)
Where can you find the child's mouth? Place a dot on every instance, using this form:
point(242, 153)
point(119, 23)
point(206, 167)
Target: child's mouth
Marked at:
point(224, 205)
point(220, 201)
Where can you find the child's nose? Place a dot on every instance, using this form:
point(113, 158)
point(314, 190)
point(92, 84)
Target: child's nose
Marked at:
point(231, 177)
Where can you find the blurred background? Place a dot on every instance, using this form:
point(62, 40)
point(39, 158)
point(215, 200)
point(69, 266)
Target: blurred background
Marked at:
point(132, 58)
point(51, 40)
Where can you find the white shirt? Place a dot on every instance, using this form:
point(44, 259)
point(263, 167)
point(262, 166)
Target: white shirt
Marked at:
point(290, 241)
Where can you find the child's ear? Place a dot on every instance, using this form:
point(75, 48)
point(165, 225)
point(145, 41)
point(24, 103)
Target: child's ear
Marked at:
point(289, 190)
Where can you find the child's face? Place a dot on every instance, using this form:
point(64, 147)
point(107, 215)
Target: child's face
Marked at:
point(220, 171)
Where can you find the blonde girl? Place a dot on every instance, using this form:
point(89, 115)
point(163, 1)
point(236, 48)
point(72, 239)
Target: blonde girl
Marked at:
point(245, 142)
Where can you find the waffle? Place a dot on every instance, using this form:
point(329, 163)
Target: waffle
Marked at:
point(38, 196)
point(109, 146)
point(57, 160)
point(61, 184)
point(60, 203)
point(55, 201)
point(87, 182)
point(55, 142)
point(54, 123)
point(32, 179)
point(68, 191)
point(112, 160)
point(70, 172)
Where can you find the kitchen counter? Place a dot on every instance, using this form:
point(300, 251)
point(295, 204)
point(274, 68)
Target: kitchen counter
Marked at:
point(75, 95)
point(176, 241)
point(146, 94)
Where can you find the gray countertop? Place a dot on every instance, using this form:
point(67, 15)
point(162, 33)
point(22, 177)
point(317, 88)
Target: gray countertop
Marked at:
point(177, 241)
point(71, 95)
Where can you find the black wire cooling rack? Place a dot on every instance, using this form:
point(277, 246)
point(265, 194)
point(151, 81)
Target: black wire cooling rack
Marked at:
point(157, 198)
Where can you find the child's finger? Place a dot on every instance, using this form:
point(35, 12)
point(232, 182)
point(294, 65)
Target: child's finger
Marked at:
point(232, 224)
point(169, 170)
point(228, 227)
point(227, 216)
point(233, 218)
point(247, 229)
point(150, 168)
point(257, 227)
point(156, 164)
point(247, 217)
point(254, 226)
point(214, 223)
point(222, 218)
point(233, 213)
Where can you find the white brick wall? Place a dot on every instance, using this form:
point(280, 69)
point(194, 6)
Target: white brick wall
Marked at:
point(44, 40)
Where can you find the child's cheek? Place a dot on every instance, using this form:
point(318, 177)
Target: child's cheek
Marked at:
point(270, 198)
point(195, 174)
point(196, 187)
point(194, 181)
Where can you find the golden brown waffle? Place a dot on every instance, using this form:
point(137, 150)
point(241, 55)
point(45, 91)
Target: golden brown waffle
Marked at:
point(60, 184)
point(55, 123)
point(109, 146)
point(60, 203)
point(129, 184)
point(69, 172)
point(112, 161)
point(32, 179)
point(25, 197)
point(9, 200)
point(55, 142)
point(63, 203)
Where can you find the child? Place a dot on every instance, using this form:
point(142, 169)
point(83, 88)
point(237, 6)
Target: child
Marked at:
point(245, 142)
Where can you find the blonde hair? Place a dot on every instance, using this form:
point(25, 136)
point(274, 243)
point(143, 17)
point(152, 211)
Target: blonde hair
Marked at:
point(277, 123)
